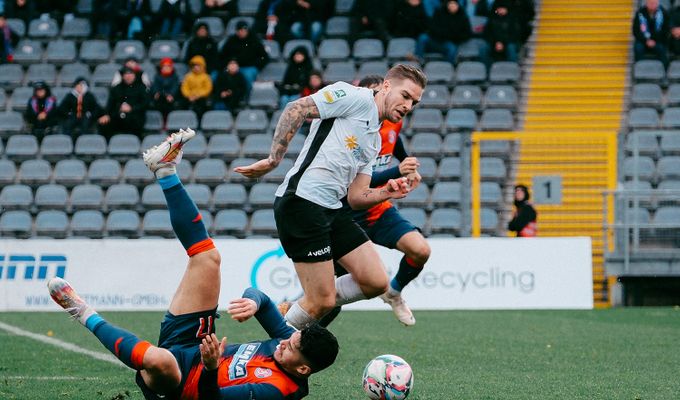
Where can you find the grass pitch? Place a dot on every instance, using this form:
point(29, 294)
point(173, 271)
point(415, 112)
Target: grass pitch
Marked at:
point(600, 354)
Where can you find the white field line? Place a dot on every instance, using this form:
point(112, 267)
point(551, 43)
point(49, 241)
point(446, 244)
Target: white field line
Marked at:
point(50, 378)
point(60, 343)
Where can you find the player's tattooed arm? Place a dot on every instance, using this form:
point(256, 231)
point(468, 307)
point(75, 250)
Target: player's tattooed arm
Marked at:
point(360, 196)
point(290, 121)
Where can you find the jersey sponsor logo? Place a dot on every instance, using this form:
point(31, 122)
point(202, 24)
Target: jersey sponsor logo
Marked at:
point(382, 162)
point(332, 95)
point(320, 252)
point(263, 372)
point(48, 265)
point(351, 142)
point(238, 366)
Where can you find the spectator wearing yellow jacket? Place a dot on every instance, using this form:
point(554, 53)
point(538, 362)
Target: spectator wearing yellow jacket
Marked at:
point(196, 87)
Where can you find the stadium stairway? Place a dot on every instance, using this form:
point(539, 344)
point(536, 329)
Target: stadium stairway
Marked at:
point(575, 97)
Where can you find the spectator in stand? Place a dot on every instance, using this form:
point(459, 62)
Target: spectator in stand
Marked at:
point(126, 109)
point(271, 22)
point(230, 88)
point(370, 19)
point(20, 9)
point(409, 19)
point(450, 27)
point(8, 39)
point(134, 18)
point(308, 17)
point(314, 84)
point(296, 77)
point(247, 49)
point(502, 34)
point(651, 28)
point(674, 43)
point(175, 16)
point(79, 110)
point(165, 87)
point(134, 65)
point(196, 87)
point(41, 112)
point(101, 21)
point(202, 44)
point(524, 218)
point(225, 9)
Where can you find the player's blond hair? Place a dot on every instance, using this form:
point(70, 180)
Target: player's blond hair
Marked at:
point(405, 71)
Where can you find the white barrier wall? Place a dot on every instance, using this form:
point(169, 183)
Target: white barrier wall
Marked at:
point(488, 273)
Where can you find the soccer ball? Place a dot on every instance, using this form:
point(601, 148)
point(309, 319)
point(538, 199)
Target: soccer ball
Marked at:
point(387, 377)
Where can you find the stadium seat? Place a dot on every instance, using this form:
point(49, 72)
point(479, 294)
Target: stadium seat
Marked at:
point(157, 222)
point(17, 25)
point(668, 167)
point(416, 216)
point(11, 76)
point(125, 49)
point(367, 49)
point(43, 28)
point(643, 118)
point(426, 145)
point(230, 222)
point(19, 99)
point(495, 148)
point(673, 95)
point(670, 119)
point(90, 147)
point(435, 96)
point(471, 49)
point(400, 48)
point(8, 172)
point(670, 143)
point(248, 7)
point(185, 171)
point(210, 171)
point(103, 74)
point(295, 146)
point(445, 194)
point(28, 52)
point(497, 120)
point(424, 119)
point(76, 28)
point(463, 119)
point(445, 220)
point(257, 145)
point(334, 50)
point(295, 43)
point(492, 169)
point(11, 123)
point(163, 48)
point(489, 220)
point(3, 98)
point(470, 72)
point(337, 27)
point(449, 169)
point(104, 172)
point(35, 172)
point(224, 146)
point(123, 223)
point(491, 193)
point(262, 195)
point(16, 197)
point(95, 52)
point(236, 177)
point(439, 72)
point(279, 173)
point(153, 121)
point(427, 169)
point(88, 223)
point(217, 121)
point(70, 72)
point(251, 121)
point(264, 96)
point(673, 74)
point(153, 197)
point(340, 71)
point(419, 198)
point(60, 92)
point(501, 96)
point(643, 167)
point(124, 146)
point(60, 52)
point(648, 71)
point(121, 196)
point(262, 222)
point(505, 72)
point(272, 72)
point(372, 68)
point(231, 25)
point(647, 95)
point(273, 49)
point(200, 194)
point(668, 216)
point(227, 195)
point(49, 197)
point(70, 172)
point(343, 7)
point(52, 223)
point(644, 142)
point(638, 216)
point(215, 27)
point(101, 94)
point(196, 148)
point(181, 119)
point(16, 224)
point(21, 147)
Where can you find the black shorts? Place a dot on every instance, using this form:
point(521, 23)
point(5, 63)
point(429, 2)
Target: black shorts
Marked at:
point(312, 233)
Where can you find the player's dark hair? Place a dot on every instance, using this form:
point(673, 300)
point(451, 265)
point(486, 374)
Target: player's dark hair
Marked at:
point(405, 71)
point(319, 346)
point(370, 80)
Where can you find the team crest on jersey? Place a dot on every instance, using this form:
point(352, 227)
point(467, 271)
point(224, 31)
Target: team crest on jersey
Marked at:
point(238, 366)
point(351, 142)
point(332, 95)
point(392, 136)
point(263, 372)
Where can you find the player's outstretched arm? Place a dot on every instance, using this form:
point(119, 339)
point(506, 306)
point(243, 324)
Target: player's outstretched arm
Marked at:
point(255, 303)
point(361, 196)
point(290, 121)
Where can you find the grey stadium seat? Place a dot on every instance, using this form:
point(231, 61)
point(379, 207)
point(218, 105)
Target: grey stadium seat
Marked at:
point(334, 50)
point(643, 118)
point(416, 216)
point(463, 119)
point(501, 96)
point(19, 99)
point(229, 195)
point(668, 167)
point(70, 172)
point(128, 48)
point(53, 223)
point(251, 121)
point(11, 76)
point(87, 223)
point(8, 172)
point(101, 94)
point(424, 119)
point(200, 193)
point(489, 220)
point(372, 68)
point(446, 194)
point(262, 222)
point(35, 172)
point(60, 52)
point(123, 223)
point(163, 48)
point(11, 123)
point(121, 196)
point(428, 169)
point(262, 195)
point(157, 222)
point(153, 197)
point(273, 49)
point(293, 44)
point(674, 71)
point(400, 48)
point(16, 197)
point(248, 7)
point(495, 148)
point(224, 146)
point(17, 25)
point(492, 169)
point(643, 167)
point(21, 147)
point(104, 172)
point(215, 26)
point(70, 72)
point(295, 146)
point(505, 72)
point(419, 197)
point(337, 26)
point(279, 173)
point(264, 96)
point(644, 142)
point(3, 98)
point(124, 146)
point(471, 49)
point(90, 147)
point(470, 72)
point(195, 149)
point(497, 120)
point(230, 29)
point(95, 52)
point(231, 222)
point(367, 49)
point(272, 72)
point(185, 171)
point(137, 173)
point(449, 169)
point(181, 119)
point(670, 143)
point(153, 121)
point(103, 74)
point(257, 145)
point(343, 7)
point(439, 72)
point(426, 145)
point(52, 196)
point(217, 121)
point(647, 95)
point(76, 28)
point(673, 95)
point(15, 223)
point(670, 118)
point(28, 52)
point(43, 28)
point(491, 193)
point(435, 96)
point(340, 71)
point(445, 220)
point(210, 171)
point(648, 71)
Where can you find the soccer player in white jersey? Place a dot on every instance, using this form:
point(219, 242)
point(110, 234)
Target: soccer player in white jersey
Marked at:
point(336, 161)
